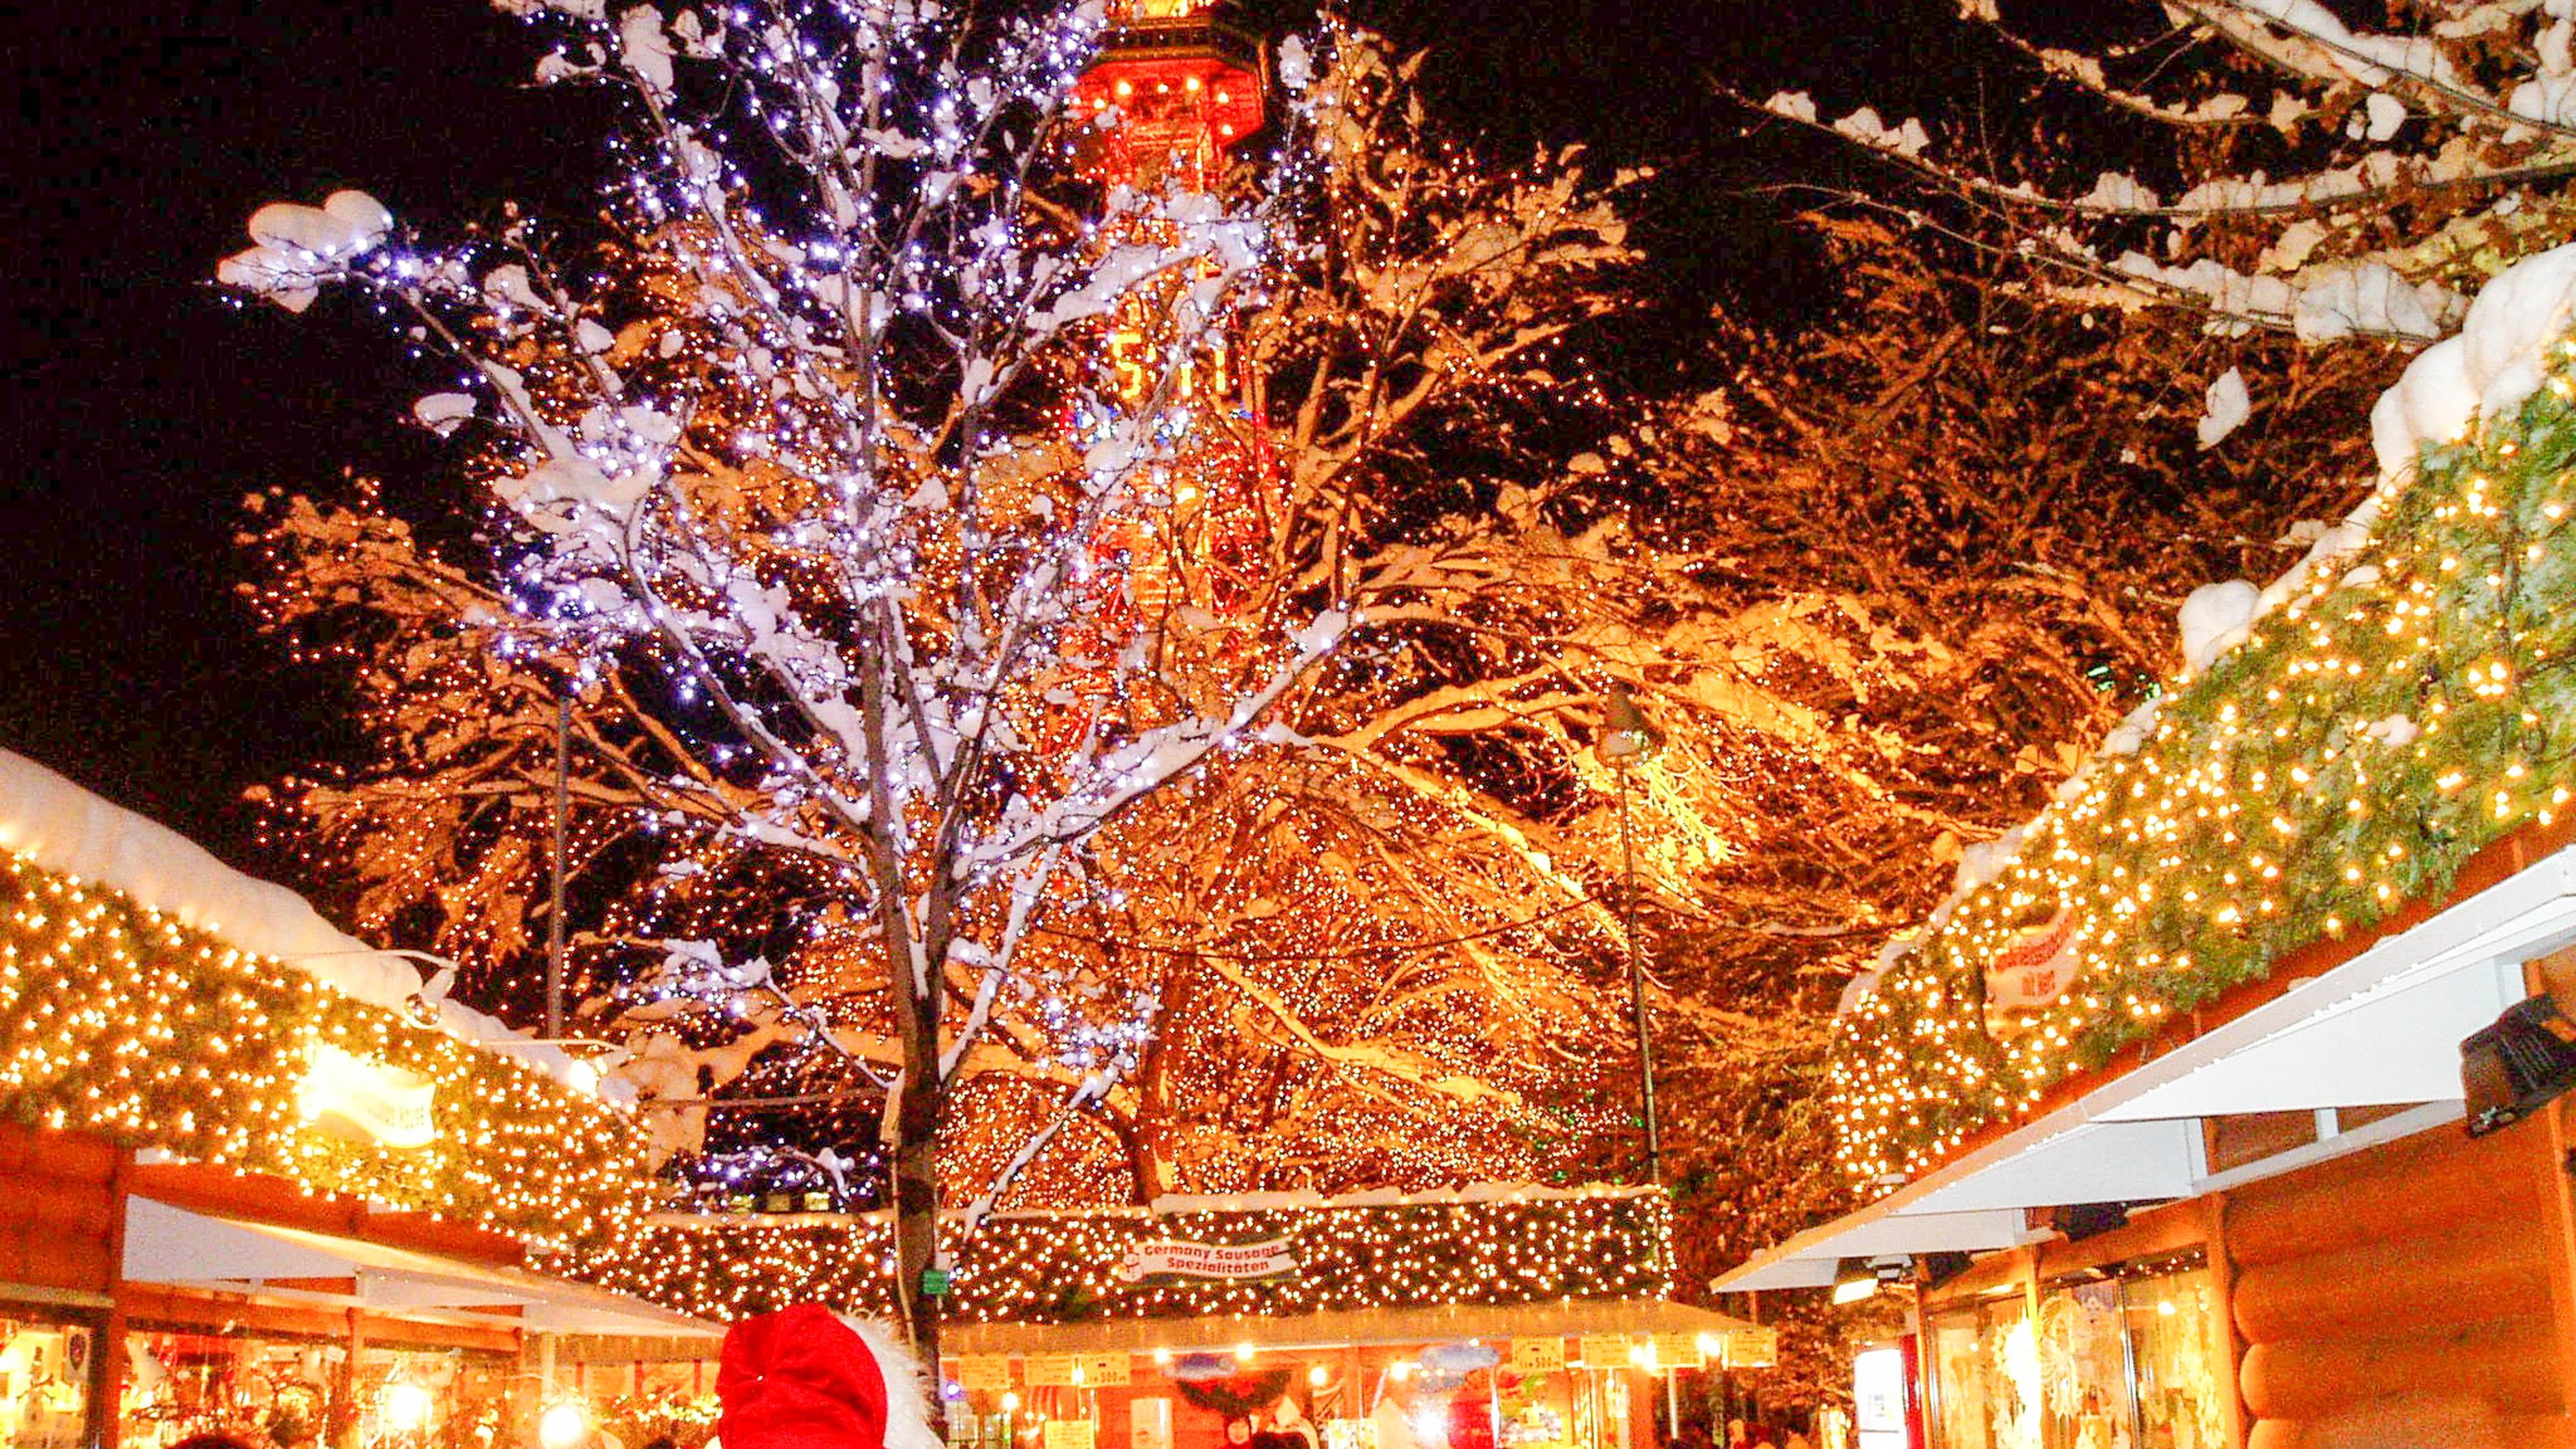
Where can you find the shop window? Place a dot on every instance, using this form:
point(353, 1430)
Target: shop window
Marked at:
point(2178, 1354)
point(49, 1378)
point(292, 1392)
point(1985, 1388)
point(2128, 1358)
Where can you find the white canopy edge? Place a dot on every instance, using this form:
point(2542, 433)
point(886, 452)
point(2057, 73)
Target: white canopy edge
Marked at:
point(70, 831)
point(1340, 1328)
point(2381, 1029)
point(178, 1248)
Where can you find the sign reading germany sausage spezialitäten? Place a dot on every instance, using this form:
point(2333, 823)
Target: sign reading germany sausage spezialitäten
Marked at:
point(1165, 1260)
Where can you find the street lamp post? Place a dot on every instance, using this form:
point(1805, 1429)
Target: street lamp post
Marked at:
point(1628, 739)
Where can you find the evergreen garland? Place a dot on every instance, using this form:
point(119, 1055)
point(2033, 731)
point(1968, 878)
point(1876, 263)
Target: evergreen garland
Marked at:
point(2370, 735)
point(123, 1022)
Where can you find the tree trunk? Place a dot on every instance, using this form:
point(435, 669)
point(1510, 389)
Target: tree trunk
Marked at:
point(916, 1176)
point(1149, 1140)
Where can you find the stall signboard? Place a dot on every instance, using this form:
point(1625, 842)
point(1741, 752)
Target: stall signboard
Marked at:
point(1605, 1350)
point(1678, 1351)
point(984, 1373)
point(1156, 1261)
point(348, 1096)
point(1538, 1355)
point(1102, 1370)
point(1752, 1347)
point(1069, 1434)
point(1051, 1370)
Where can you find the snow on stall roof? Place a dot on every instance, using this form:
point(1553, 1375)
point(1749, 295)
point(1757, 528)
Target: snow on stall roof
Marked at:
point(2496, 361)
point(66, 829)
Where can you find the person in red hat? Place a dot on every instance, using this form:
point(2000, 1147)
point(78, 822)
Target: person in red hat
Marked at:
point(807, 1378)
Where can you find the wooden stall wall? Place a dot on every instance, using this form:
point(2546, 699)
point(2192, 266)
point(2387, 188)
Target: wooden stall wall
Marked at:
point(2416, 1293)
point(62, 1211)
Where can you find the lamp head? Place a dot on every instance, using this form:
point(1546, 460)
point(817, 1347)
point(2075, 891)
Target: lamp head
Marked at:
point(1627, 735)
point(2514, 1067)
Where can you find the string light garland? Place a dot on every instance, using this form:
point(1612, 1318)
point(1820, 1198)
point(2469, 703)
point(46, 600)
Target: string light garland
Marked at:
point(2366, 739)
point(118, 1020)
point(1061, 1267)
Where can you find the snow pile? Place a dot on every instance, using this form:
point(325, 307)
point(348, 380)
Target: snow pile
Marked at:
point(300, 247)
point(2228, 406)
point(2499, 358)
point(66, 829)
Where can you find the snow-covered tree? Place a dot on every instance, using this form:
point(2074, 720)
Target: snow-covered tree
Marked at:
point(1381, 942)
point(777, 491)
point(2327, 172)
point(1944, 447)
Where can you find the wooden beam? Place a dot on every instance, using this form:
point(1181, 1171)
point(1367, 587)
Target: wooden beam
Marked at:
point(2154, 1233)
point(194, 1310)
point(225, 1192)
point(2222, 1301)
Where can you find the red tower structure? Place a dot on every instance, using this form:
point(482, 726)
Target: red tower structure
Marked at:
point(1187, 86)
point(1176, 88)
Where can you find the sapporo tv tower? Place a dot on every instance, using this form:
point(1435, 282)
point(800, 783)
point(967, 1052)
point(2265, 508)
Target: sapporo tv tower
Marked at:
point(1176, 88)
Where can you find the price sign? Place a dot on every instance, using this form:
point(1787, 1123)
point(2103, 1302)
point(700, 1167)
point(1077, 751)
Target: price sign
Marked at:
point(1050, 1370)
point(1538, 1355)
point(1605, 1350)
point(1103, 1370)
point(984, 1373)
point(1752, 1348)
point(1070, 1434)
point(1678, 1351)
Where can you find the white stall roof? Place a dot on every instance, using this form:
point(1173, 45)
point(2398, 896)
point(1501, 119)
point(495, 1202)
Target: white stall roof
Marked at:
point(183, 1249)
point(2381, 1029)
point(68, 830)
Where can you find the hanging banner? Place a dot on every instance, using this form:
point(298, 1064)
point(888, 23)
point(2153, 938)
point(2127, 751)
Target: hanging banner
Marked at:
point(1166, 1260)
point(2033, 969)
point(1101, 1370)
point(1538, 1355)
point(1605, 1350)
point(1049, 1370)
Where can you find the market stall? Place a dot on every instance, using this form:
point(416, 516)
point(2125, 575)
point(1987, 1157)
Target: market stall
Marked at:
point(1493, 1315)
point(261, 1180)
point(2223, 1103)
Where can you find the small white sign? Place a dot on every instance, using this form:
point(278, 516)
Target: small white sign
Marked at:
point(1177, 1258)
point(349, 1096)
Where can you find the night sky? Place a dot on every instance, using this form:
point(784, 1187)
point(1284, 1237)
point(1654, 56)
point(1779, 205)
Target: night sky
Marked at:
point(140, 407)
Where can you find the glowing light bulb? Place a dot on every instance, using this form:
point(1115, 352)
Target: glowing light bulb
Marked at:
point(405, 1408)
point(564, 1426)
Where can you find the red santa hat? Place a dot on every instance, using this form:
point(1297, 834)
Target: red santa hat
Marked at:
point(806, 1378)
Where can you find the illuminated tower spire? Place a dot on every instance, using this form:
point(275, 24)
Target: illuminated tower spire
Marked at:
point(1176, 87)
point(1185, 85)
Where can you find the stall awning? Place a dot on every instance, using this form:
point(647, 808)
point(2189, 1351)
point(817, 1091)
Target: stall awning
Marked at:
point(1348, 1328)
point(182, 1249)
point(2381, 1029)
